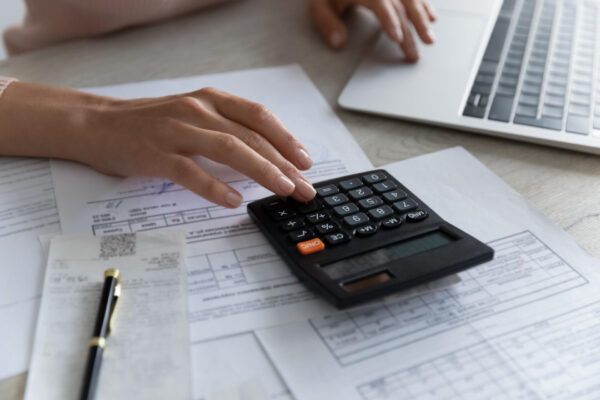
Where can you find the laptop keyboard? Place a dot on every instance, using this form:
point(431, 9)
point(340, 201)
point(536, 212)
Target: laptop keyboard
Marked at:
point(538, 67)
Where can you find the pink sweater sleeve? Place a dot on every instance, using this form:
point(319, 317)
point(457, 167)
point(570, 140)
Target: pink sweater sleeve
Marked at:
point(52, 21)
point(4, 82)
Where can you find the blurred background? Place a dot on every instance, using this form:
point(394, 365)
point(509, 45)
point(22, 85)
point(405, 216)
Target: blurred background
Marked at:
point(12, 13)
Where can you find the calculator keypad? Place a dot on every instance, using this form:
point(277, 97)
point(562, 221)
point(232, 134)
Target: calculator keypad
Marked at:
point(301, 235)
point(370, 202)
point(327, 190)
point(356, 219)
point(284, 213)
point(350, 184)
point(360, 193)
point(343, 211)
point(292, 224)
point(336, 199)
point(405, 205)
point(381, 212)
point(384, 186)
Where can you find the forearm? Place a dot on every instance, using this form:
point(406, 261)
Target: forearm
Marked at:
point(44, 121)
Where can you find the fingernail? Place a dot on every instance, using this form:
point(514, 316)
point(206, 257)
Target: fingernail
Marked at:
point(336, 38)
point(305, 190)
point(431, 34)
point(304, 159)
point(286, 186)
point(233, 199)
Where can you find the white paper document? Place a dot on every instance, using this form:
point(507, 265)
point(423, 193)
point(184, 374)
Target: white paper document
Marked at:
point(27, 209)
point(147, 352)
point(233, 368)
point(524, 325)
point(237, 282)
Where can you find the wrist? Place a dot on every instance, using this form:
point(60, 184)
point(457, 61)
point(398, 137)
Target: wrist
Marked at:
point(43, 121)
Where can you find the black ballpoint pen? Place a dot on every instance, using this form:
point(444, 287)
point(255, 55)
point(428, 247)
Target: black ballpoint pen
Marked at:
point(110, 294)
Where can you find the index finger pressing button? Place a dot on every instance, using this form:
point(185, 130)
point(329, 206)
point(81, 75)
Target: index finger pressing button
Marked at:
point(310, 246)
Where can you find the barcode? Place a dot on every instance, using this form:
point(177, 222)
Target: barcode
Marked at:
point(117, 245)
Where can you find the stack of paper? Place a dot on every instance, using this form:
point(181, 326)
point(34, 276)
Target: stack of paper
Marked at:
point(525, 325)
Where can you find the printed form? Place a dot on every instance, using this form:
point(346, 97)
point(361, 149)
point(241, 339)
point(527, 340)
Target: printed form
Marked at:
point(524, 325)
point(237, 282)
point(28, 209)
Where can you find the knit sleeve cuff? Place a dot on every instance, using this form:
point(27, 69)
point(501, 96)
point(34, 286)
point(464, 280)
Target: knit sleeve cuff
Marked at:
point(4, 82)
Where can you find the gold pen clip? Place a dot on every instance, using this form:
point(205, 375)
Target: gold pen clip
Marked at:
point(116, 294)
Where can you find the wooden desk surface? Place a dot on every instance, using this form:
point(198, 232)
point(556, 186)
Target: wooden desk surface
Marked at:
point(564, 185)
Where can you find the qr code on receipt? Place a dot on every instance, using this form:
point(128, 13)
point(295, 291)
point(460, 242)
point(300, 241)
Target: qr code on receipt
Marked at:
point(117, 245)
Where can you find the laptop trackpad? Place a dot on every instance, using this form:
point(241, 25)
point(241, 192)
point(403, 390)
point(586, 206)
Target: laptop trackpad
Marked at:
point(386, 84)
point(457, 39)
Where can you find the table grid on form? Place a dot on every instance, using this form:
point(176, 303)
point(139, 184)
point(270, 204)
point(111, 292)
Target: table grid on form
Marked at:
point(557, 354)
point(359, 334)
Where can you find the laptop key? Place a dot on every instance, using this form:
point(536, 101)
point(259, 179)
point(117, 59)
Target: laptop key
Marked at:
point(472, 111)
point(529, 111)
point(550, 111)
point(496, 42)
point(501, 108)
point(577, 124)
point(544, 122)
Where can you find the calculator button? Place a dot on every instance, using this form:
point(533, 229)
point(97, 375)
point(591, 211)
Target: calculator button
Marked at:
point(273, 205)
point(318, 216)
point(310, 246)
point(336, 199)
point(282, 214)
point(301, 235)
point(307, 207)
point(326, 227)
point(374, 177)
point(360, 193)
point(327, 190)
point(351, 184)
point(405, 205)
point(292, 224)
point(381, 212)
point(394, 195)
point(384, 186)
point(336, 238)
point(417, 215)
point(366, 230)
point(346, 209)
point(391, 222)
point(371, 202)
point(356, 219)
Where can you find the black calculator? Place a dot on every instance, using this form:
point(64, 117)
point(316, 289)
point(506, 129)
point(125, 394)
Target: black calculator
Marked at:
point(365, 236)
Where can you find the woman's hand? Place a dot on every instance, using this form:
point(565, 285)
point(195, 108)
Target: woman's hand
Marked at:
point(157, 137)
point(395, 17)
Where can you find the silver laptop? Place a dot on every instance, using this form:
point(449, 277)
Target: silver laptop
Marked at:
point(520, 69)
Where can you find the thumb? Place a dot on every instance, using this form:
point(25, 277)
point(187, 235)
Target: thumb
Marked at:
point(325, 17)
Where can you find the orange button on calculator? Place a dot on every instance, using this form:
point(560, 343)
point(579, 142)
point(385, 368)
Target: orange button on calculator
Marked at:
point(310, 246)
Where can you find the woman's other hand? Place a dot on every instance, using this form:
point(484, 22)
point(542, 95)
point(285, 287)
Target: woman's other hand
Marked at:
point(395, 17)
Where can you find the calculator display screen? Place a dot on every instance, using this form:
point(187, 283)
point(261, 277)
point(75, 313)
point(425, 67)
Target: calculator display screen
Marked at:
point(387, 254)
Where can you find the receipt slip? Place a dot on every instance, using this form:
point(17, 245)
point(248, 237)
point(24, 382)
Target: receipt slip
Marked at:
point(148, 355)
